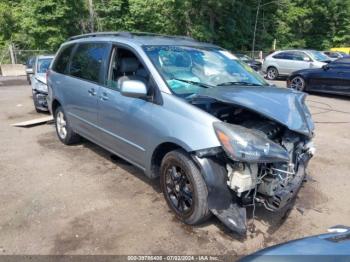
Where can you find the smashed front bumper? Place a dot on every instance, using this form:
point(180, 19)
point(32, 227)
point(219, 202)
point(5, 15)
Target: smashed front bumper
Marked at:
point(40, 100)
point(223, 203)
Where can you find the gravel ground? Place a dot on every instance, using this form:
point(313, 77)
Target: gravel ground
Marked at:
point(57, 199)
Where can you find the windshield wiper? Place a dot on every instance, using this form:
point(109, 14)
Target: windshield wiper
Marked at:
point(193, 82)
point(238, 84)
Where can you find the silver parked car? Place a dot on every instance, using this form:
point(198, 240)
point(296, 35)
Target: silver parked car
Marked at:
point(283, 63)
point(38, 81)
point(29, 68)
point(190, 113)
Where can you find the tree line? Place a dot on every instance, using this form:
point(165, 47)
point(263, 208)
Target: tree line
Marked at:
point(45, 24)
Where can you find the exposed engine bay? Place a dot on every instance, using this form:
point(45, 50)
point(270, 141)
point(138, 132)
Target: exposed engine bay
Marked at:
point(270, 184)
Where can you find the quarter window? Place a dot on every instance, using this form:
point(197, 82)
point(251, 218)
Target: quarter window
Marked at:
point(88, 60)
point(61, 63)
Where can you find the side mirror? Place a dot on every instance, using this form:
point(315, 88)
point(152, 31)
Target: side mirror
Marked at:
point(307, 59)
point(325, 67)
point(133, 88)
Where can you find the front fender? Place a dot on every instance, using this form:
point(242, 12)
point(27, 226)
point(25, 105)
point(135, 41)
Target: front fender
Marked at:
point(220, 200)
point(215, 176)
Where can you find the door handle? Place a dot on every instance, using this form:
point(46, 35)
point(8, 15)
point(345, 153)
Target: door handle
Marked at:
point(104, 96)
point(92, 91)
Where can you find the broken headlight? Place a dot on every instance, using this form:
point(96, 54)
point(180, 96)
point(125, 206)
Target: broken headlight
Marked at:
point(243, 144)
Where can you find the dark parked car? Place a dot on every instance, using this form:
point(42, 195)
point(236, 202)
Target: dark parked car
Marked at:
point(332, 78)
point(256, 65)
point(336, 55)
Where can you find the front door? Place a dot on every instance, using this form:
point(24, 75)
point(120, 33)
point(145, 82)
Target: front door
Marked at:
point(126, 122)
point(299, 61)
point(342, 85)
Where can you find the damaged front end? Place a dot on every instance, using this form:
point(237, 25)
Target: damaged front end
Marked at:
point(261, 161)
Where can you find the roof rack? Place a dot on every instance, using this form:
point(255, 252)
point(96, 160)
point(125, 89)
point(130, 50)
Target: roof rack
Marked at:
point(128, 35)
point(163, 35)
point(96, 34)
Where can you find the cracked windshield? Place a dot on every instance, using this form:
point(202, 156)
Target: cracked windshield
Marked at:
point(189, 69)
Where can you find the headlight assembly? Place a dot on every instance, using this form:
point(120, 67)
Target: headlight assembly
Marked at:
point(40, 86)
point(245, 145)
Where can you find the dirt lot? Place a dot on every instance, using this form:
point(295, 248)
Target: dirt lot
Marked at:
point(57, 199)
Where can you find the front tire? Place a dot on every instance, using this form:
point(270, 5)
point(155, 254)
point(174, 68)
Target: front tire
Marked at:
point(64, 131)
point(184, 188)
point(298, 83)
point(272, 73)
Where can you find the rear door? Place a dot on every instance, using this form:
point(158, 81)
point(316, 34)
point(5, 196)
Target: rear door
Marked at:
point(284, 60)
point(86, 67)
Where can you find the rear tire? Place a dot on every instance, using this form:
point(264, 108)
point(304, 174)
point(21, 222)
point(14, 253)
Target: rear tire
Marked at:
point(64, 131)
point(272, 73)
point(184, 188)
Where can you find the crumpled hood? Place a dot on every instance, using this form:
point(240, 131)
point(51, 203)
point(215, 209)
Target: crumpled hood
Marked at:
point(282, 105)
point(41, 77)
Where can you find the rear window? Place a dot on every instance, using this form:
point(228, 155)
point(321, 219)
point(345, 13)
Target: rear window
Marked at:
point(88, 61)
point(62, 60)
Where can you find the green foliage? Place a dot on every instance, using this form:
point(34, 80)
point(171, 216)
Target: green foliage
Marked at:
point(7, 22)
point(315, 24)
point(46, 24)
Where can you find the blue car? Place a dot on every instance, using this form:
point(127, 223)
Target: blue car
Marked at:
point(212, 130)
point(333, 246)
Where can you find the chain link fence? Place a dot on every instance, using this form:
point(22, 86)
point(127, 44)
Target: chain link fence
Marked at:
point(258, 55)
point(18, 56)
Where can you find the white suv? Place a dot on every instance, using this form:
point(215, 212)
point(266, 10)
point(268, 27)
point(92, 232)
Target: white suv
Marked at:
point(283, 63)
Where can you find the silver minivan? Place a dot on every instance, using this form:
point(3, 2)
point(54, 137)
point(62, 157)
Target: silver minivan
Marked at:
point(191, 114)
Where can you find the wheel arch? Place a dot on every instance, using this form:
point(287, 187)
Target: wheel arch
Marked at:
point(270, 66)
point(54, 105)
point(158, 154)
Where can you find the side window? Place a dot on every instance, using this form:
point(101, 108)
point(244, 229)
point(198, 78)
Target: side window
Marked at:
point(288, 56)
point(342, 61)
point(300, 56)
point(61, 63)
point(279, 56)
point(284, 55)
point(125, 65)
point(88, 60)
